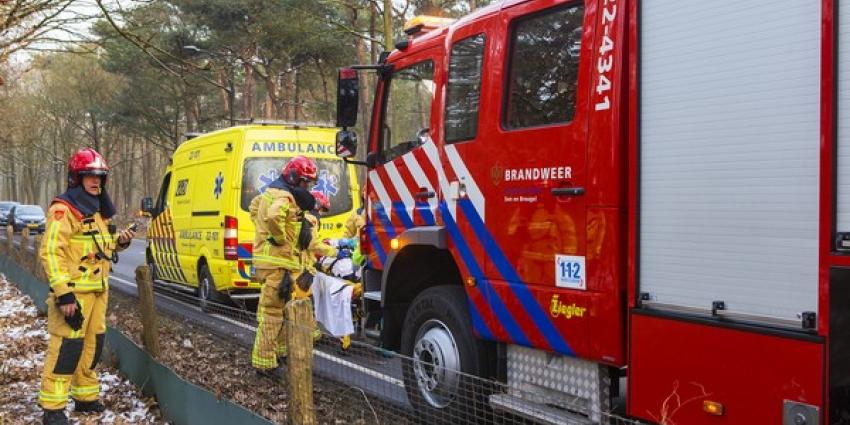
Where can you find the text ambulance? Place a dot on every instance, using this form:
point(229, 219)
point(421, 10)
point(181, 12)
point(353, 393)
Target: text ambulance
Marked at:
point(201, 234)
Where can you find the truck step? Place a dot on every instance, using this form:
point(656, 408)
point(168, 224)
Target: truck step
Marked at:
point(372, 295)
point(536, 412)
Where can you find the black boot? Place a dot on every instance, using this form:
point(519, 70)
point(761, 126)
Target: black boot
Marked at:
point(272, 373)
point(89, 406)
point(54, 417)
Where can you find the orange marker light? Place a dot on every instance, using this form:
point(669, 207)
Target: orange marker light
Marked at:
point(712, 407)
point(394, 243)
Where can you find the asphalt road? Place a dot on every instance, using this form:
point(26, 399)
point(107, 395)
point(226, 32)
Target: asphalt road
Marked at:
point(363, 367)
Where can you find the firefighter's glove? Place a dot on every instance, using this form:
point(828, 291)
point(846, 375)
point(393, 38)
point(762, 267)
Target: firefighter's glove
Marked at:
point(284, 289)
point(272, 241)
point(75, 321)
point(305, 280)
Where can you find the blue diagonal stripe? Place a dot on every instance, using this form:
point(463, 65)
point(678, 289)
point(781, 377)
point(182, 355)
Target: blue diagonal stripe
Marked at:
point(526, 298)
point(514, 331)
point(478, 322)
point(376, 243)
point(385, 220)
point(425, 209)
point(401, 210)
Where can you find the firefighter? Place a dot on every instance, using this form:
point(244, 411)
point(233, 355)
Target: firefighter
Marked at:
point(77, 251)
point(283, 233)
point(356, 220)
point(318, 247)
point(323, 249)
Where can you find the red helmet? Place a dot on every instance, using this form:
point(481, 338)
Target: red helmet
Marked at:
point(86, 162)
point(298, 169)
point(322, 201)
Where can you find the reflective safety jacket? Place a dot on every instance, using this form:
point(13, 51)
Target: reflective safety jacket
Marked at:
point(317, 248)
point(355, 222)
point(76, 251)
point(276, 218)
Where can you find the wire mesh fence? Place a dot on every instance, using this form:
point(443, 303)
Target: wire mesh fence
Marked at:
point(353, 380)
point(357, 381)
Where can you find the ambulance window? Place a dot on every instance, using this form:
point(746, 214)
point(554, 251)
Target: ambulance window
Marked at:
point(162, 199)
point(407, 111)
point(464, 89)
point(333, 181)
point(543, 72)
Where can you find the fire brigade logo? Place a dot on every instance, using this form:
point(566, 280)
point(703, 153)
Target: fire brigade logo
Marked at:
point(496, 173)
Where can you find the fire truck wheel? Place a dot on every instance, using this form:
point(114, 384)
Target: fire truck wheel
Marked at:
point(438, 336)
point(207, 294)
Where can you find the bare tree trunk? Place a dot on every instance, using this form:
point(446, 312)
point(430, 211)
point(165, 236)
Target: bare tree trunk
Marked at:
point(326, 98)
point(225, 98)
point(297, 96)
point(361, 58)
point(289, 82)
point(13, 178)
point(95, 134)
point(147, 172)
point(128, 183)
point(373, 14)
point(248, 92)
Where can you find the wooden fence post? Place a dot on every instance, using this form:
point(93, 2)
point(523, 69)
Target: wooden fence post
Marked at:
point(299, 322)
point(150, 323)
point(23, 252)
point(10, 242)
point(36, 259)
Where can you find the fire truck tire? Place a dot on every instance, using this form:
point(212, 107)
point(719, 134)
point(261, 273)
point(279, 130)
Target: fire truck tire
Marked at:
point(207, 294)
point(437, 331)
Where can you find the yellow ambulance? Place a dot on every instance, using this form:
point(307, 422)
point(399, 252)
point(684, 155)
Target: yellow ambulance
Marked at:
point(200, 237)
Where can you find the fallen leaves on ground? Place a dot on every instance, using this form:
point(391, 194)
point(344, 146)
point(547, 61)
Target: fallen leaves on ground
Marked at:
point(23, 344)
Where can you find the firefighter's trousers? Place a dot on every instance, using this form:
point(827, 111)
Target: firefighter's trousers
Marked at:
point(270, 339)
point(72, 355)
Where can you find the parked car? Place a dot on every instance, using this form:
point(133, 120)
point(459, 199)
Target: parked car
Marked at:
point(27, 216)
point(5, 207)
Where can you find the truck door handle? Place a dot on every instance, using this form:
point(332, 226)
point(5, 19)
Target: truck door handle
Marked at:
point(568, 191)
point(425, 194)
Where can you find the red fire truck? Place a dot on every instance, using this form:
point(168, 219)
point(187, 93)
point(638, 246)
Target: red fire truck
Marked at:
point(564, 193)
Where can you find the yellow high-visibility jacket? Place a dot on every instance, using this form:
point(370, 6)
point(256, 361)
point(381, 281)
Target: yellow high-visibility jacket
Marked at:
point(317, 246)
point(69, 250)
point(277, 217)
point(355, 222)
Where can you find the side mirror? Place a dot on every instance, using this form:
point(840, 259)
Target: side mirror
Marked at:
point(347, 97)
point(346, 144)
point(147, 205)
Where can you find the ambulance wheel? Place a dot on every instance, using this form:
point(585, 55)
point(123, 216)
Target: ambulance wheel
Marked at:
point(437, 336)
point(207, 294)
point(151, 265)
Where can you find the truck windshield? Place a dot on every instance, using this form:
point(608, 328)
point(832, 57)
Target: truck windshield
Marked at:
point(333, 181)
point(407, 112)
